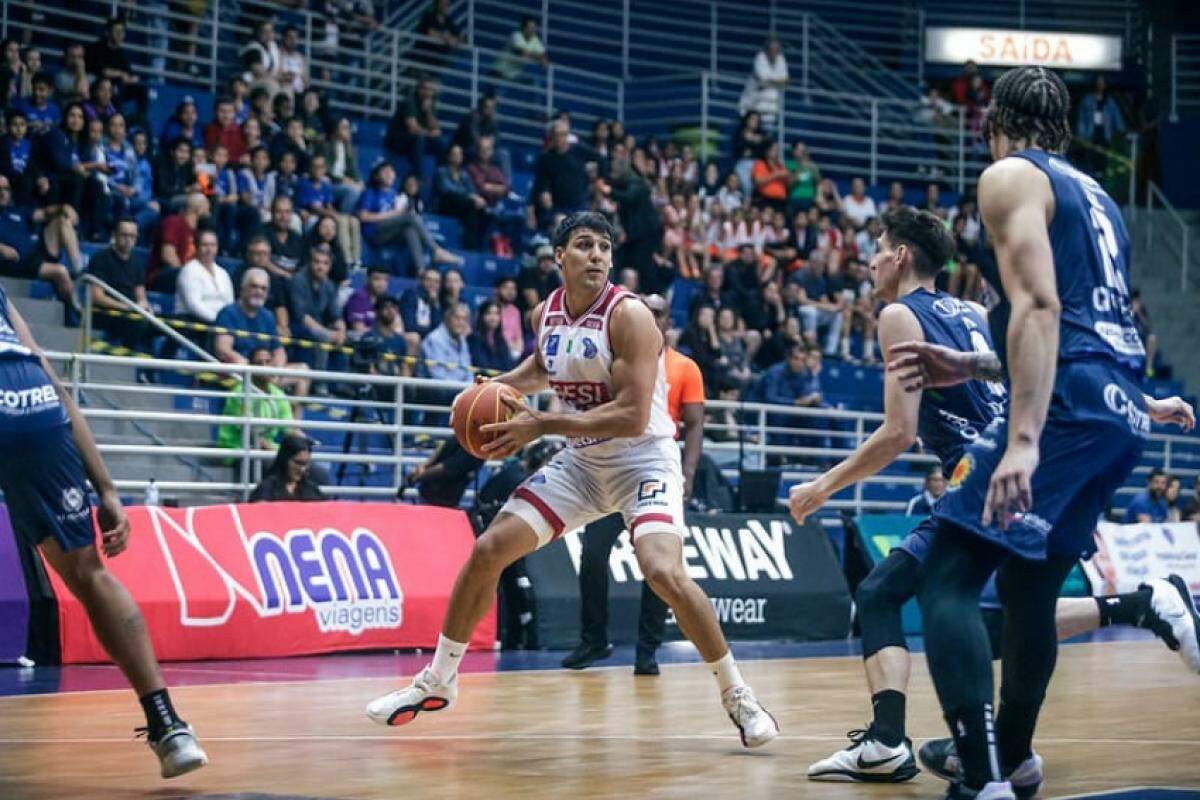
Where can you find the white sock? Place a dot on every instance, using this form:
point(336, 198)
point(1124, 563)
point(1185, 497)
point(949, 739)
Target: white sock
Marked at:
point(446, 658)
point(726, 671)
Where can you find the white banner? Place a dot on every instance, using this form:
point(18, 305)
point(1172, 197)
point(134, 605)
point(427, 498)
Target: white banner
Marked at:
point(1013, 48)
point(1131, 554)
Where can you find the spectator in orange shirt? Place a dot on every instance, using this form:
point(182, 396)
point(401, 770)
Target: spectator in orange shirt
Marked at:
point(685, 401)
point(770, 176)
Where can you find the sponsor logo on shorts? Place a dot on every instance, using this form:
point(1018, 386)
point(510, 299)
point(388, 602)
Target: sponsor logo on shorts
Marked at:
point(27, 401)
point(964, 467)
point(650, 489)
point(1030, 520)
point(72, 499)
point(1119, 403)
point(961, 424)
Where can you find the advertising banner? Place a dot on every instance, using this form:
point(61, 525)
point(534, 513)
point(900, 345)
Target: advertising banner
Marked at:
point(1014, 48)
point(767, 578)
point(1131, 554)
point(14, 600)
point(283, 579)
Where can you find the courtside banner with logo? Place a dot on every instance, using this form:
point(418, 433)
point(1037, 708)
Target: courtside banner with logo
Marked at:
point(14, 602)
point(283, 579)
point(766, 576)
point(1131, 554)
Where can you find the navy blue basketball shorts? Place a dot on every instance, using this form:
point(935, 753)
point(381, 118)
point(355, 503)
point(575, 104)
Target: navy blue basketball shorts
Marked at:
point(42, 476)
point(1092, 439)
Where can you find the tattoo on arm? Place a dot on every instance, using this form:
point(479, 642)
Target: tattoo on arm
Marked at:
point(986, 367)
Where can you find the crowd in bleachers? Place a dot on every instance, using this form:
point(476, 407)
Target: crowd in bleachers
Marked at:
point(257, 216)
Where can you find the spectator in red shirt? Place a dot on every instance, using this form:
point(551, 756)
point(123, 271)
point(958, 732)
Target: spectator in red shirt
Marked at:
point(175, 244)
point(225, 130)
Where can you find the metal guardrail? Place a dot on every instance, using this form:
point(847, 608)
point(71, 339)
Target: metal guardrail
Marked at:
point(1185, 74)
point(743, 433)
point(1153, 194)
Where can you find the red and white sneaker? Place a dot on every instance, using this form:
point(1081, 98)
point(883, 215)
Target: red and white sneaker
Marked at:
point(425, 693)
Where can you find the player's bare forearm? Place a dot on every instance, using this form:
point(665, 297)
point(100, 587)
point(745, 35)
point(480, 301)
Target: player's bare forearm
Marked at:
point(986, 367)
point(1032, 351)
point(612, 420)
point(528, 377)
point(880, 449)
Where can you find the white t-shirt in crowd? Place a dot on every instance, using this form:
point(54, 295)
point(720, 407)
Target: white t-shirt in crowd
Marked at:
point(200, 293)
point(859, 211)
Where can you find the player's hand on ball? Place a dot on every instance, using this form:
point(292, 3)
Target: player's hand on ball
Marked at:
point(1172, 411)
point(1010, 491)
point(921, 365)
point(114, 525)
point(525, 426)
point(805, 499)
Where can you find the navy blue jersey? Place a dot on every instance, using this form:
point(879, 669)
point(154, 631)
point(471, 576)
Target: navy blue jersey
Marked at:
point(952, 417)
point(28, 400)
point(1091, 265)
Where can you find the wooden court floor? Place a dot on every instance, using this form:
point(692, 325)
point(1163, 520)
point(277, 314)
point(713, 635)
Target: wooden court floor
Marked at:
point(1119, 715)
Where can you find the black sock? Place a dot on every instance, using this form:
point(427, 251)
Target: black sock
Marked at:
point(888, 706)
point(1016, 722)
point(975, 737)
point(1124, 609)
point(160, 714)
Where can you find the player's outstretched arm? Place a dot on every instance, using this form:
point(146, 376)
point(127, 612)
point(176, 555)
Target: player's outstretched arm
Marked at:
point(901, 407)
point(114, 527)
point(1017, 205)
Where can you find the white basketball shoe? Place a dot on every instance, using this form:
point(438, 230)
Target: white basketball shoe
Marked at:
point(867, 760)
point(754, 723)
point(425, 693)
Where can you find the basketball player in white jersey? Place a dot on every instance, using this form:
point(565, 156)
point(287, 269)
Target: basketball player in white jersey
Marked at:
point(600, 349)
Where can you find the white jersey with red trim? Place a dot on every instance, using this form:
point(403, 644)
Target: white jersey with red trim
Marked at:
point(577, 352)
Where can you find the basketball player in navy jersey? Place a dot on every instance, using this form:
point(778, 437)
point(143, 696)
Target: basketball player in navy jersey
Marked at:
point(600, 349)
point(1031, 488)
point(47, 450)
point(912, 250)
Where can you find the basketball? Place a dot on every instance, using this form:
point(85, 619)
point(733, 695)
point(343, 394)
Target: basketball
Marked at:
point(480, 405)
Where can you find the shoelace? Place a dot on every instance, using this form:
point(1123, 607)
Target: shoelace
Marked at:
point(858, 736)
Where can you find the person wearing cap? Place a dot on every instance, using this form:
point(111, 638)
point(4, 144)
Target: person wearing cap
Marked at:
point(360, 306)
point(537, 282)
point(387, 334)
point(685, 403)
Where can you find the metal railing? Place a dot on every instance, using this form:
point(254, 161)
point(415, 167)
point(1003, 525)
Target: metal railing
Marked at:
point(380, 431)
point(1178, 224)
point(1185, 74)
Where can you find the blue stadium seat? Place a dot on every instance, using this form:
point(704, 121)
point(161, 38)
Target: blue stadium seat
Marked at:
point(480, 269)
point(446, 231)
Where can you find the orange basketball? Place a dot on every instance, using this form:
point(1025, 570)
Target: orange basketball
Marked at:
point(477, 406)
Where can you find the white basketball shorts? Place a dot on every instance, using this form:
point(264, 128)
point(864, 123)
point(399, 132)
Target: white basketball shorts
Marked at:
point(644, 483)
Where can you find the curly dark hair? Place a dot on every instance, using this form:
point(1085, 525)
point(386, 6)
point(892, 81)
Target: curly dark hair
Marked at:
point(1031, 103)
point(924, 233)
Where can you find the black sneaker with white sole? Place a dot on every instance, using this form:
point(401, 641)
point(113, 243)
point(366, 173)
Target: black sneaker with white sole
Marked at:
point(940, 756)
